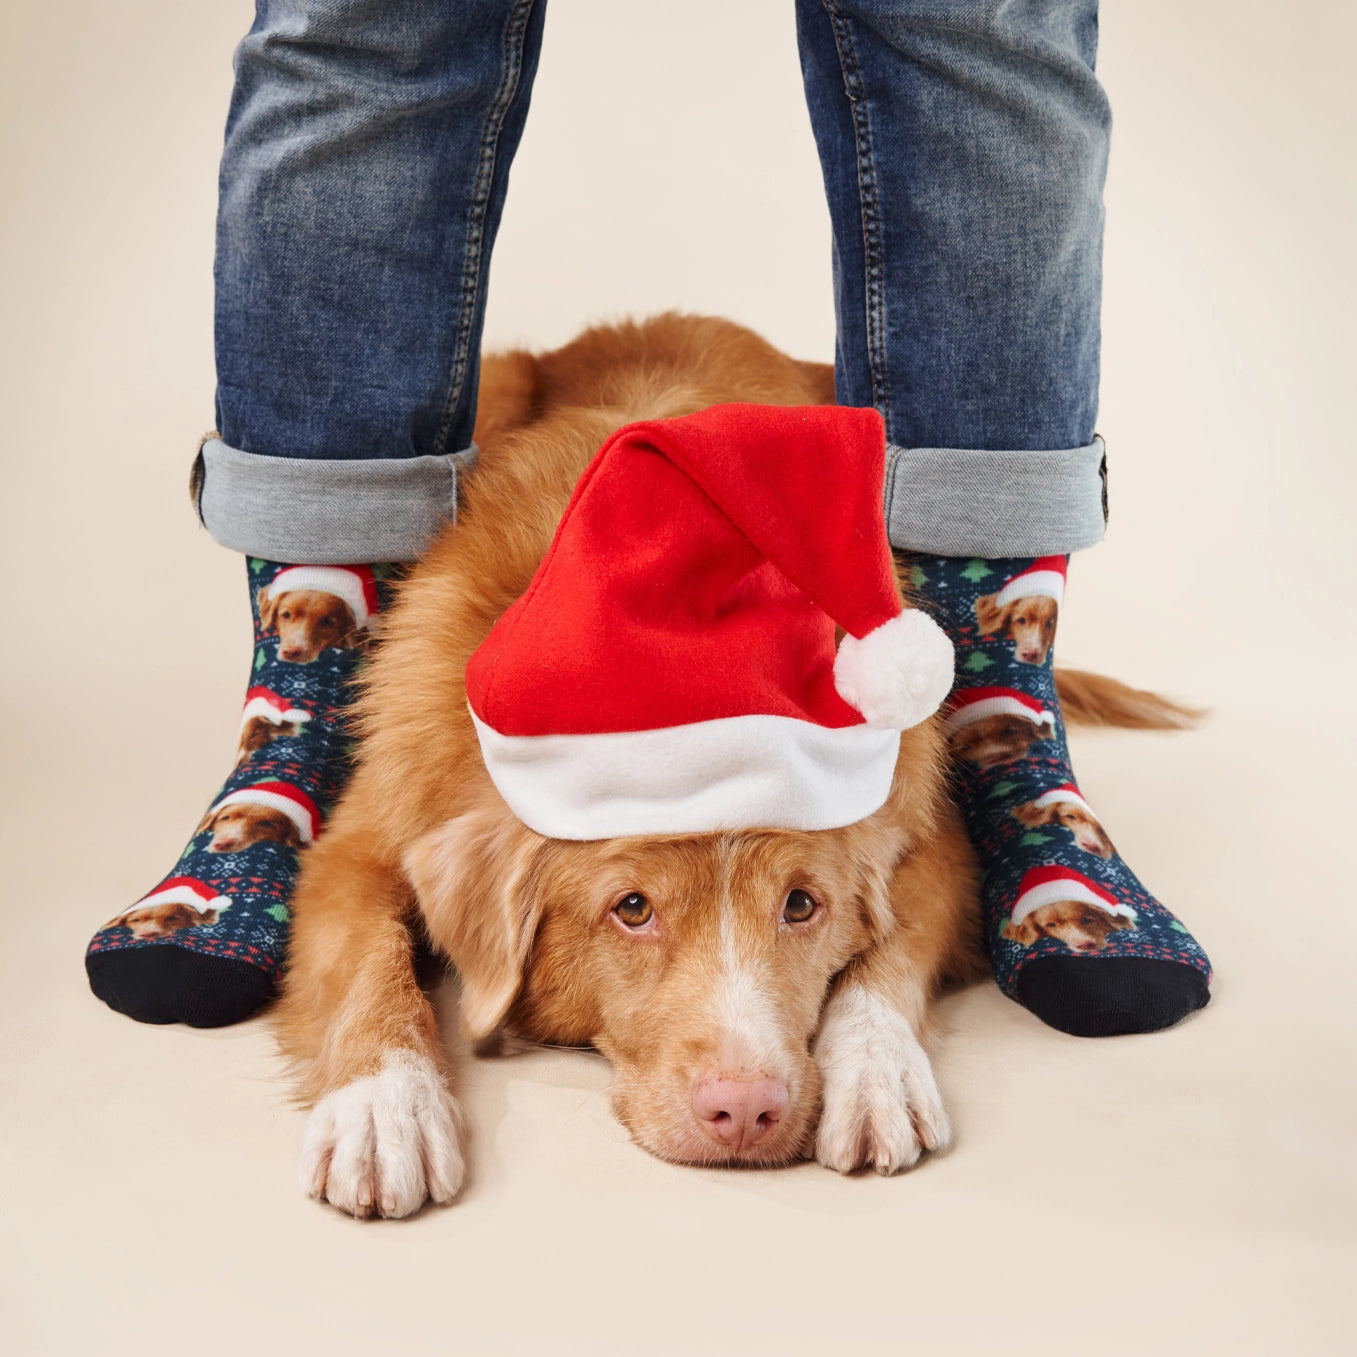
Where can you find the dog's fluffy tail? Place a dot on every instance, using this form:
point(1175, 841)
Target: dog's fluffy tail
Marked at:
point(1095, 700)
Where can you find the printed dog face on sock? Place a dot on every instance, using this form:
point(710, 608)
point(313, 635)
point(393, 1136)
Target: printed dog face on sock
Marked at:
point(688, 960)
point(159, 921)
point(308, 622)
point(1081, 927)
point(1079, 820)
point(259, 731)
point(238, 826)
point(995, 740)
point(1028, 622)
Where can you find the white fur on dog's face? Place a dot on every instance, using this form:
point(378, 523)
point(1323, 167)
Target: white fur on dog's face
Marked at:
point(714, 985)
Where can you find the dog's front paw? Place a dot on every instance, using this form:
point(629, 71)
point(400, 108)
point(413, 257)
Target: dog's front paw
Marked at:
point(882, 1108)
point(384, 1144)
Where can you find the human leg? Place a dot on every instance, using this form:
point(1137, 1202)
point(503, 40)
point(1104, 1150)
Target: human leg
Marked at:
point(366, 160)
point(964, 149)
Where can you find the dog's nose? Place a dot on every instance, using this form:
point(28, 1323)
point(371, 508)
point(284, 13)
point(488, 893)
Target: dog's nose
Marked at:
point(739, 1113)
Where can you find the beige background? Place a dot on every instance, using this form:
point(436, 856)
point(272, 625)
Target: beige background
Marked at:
point(1187, 1192)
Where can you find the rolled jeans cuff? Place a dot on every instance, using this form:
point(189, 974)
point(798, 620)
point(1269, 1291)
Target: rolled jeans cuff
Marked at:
point(313, 511)
point(966, 502)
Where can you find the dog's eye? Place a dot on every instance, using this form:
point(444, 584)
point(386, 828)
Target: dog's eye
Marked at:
point(634, 910)
point(799, 907)
point(286, 614)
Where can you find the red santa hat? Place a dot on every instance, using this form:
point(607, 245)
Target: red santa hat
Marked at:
point(1045, 577)
point(1067, 791)
point(672, 667)
point(354, 584)
point(272, 707)
point(292, 801)
point(1047, 885)
point(186, 890)
point(971, 704)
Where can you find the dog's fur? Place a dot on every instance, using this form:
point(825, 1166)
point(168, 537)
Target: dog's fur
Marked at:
point(309, 621)
point(1081, 927)
point(159, 921)
point(995, 740)
point(1088, 833)
point(259, 731)
point(238, 825)
point(716, 984)
point(1028, 622)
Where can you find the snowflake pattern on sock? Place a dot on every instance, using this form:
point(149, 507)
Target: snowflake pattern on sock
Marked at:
point(1053, 884)
point(228, 894)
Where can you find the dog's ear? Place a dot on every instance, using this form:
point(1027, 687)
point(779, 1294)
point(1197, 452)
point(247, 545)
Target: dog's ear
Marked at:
point(990, 615)
point(1024, 933)
point(1032, 815)
point(474, 881)
point(1118, 921)
point(209, 820)
point(268, 608)
point(208, 916)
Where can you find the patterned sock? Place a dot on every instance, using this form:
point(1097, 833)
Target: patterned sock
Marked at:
point(207, 945)
point(1072, 933)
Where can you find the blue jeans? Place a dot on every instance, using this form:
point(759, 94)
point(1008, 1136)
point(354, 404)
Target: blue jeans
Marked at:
point(368, 146)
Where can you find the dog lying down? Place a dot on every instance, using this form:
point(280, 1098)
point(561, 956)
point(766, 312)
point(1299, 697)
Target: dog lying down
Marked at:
point(760, 994)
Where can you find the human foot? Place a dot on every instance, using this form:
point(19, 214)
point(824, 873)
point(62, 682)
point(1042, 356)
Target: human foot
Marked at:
point(206, 946)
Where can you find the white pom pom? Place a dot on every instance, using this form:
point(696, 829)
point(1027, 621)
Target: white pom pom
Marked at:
point(897, 675)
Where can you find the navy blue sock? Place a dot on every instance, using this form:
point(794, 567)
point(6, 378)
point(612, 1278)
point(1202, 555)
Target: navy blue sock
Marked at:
point(1072, 933)
point(207, 945)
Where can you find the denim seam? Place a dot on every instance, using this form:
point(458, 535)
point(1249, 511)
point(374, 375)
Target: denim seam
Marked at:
point(872, 236)
point(514, 35)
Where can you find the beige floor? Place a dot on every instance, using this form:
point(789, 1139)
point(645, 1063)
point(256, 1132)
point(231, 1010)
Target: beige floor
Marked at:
point(1191, 1192)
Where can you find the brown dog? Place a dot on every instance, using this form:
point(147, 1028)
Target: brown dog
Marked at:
point(159, 921)
point(759, 994)
point(995, 740)
point(1081, 927)
point(237, 826)
point(1072, 815)
point(259, 731)
point(308, 621)
point(1028, 622)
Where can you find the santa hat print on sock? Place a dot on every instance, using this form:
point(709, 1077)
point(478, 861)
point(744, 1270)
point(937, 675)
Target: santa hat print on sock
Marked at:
point(973, 704)
point(353, 584)
point(1044, 578)
point(1043, 886)
point(272, 707)
point(672, 667)
point(1067, 792)
point(294, 803)
point(186, 890)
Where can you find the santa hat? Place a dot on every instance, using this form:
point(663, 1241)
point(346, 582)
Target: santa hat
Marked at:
point(672, 669)
point(1067, 791)
point(272, 707)
point(186, 890)
point(352, 583)
point(1045, 577)
point(1046, 885)
point(972, 704)
point(294, 803)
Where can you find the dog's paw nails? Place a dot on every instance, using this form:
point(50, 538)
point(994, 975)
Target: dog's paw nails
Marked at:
point(386, 1143)
point(882, 1108)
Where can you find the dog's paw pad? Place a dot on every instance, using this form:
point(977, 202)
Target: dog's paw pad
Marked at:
point(882, 1108)
point(385, 1144)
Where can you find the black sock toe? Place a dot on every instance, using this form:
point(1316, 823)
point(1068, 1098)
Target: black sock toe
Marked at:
point(171, 984)
point(1110, 996)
